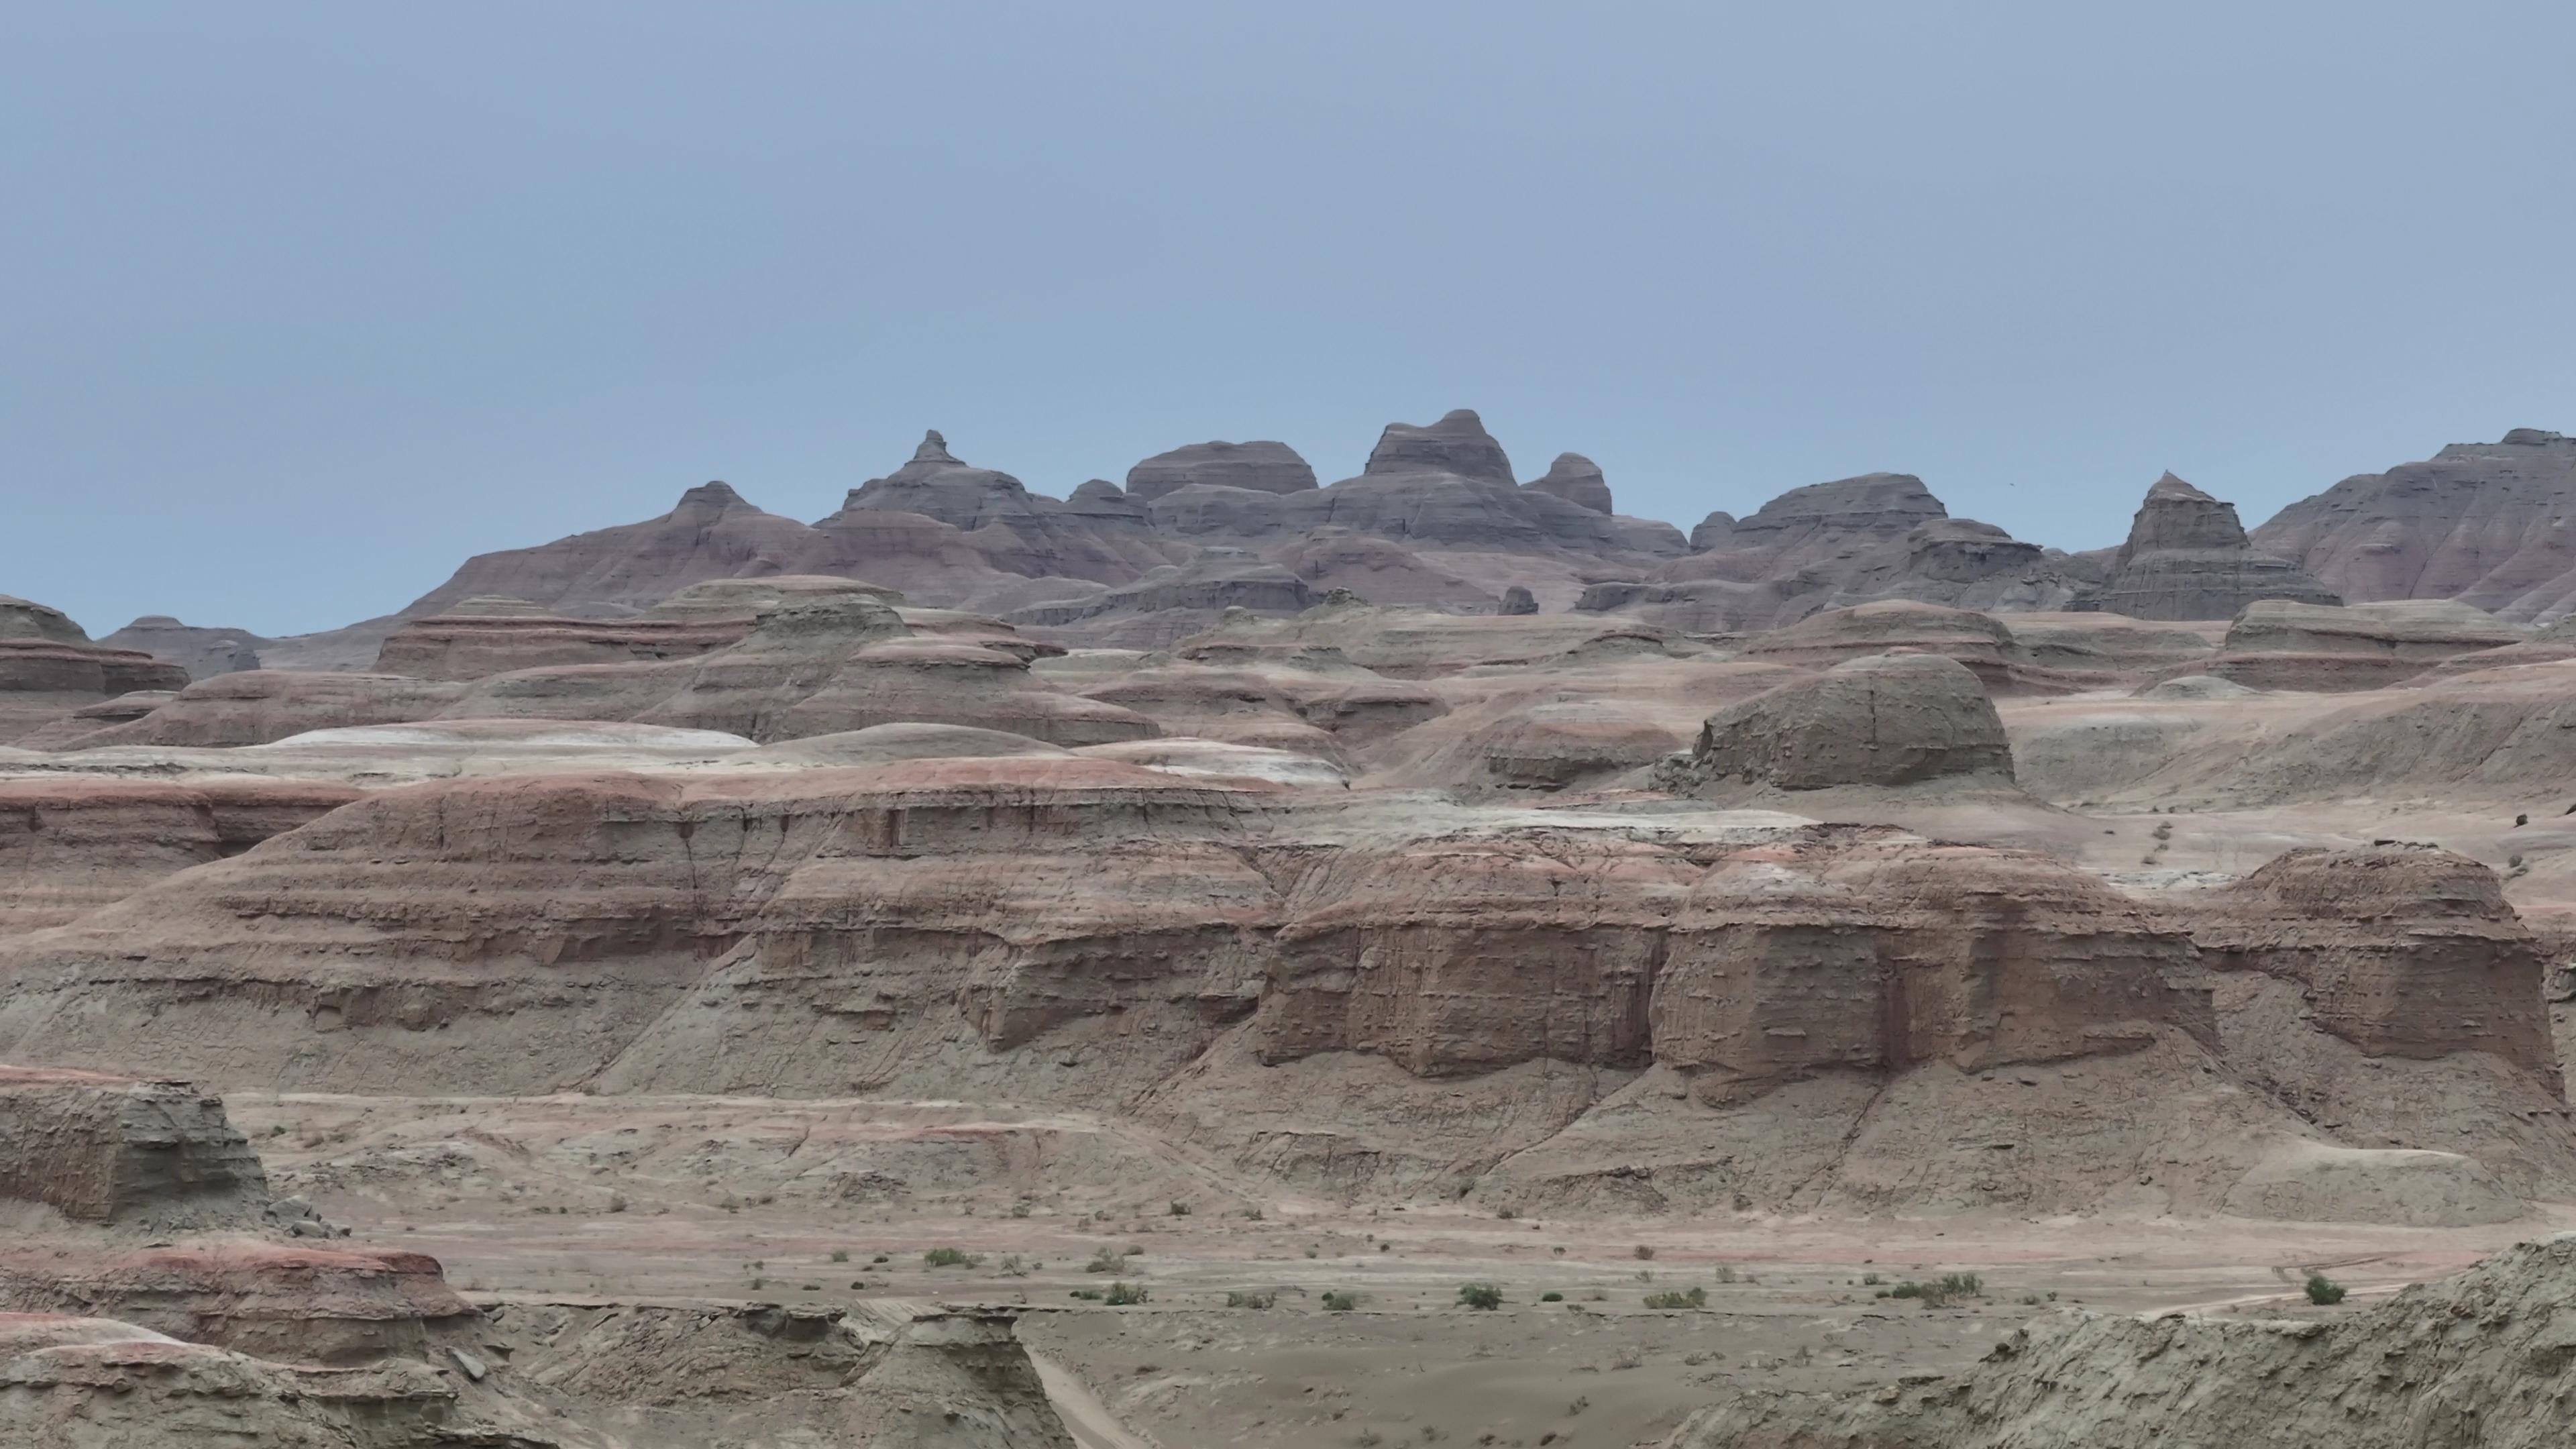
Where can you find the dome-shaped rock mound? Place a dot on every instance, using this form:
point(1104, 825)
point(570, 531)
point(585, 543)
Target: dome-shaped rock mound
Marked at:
point(1263, 467)
point(1882, 720)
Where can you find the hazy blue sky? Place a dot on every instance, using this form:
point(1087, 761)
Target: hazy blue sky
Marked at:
point(299, 306)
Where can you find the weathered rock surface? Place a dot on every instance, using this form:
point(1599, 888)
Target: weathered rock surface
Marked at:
point(261, 705)
point(2403, 951)
point(89, 1383)
point(472, 646)
point(2188, 558)
point(110, 1150)
point(2488, 524)
point(1262, 467)
point(1884, 720)
point(71, 845)
point(49, 668)
point(2278, 644)
point(297, 1303)
point(2473, 1362)
point(1457, 444)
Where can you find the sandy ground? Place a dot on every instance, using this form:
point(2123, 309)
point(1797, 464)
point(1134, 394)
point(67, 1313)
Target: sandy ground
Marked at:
point(556, 1197)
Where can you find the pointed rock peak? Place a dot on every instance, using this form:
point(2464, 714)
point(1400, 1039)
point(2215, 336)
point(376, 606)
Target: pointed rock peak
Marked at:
point(933, 449)
point(2170, 486)
point(1456, 444)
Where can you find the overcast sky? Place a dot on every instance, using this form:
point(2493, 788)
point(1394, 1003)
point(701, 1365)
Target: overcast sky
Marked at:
point(299, 306)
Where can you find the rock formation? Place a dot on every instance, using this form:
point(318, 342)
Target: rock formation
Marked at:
point(71, 845)
point(1883, 720)
point(1576, 479)
point(202, 652)
point(1833, 545)
point(472, 646)
point(1457, 445)
point(1262, 467)
point(49, 667)
point(1518, 600)
point(261, 705)
point(104, 1149)
point(2188, 558)
point(2278, 644)
point(2473, 1362)
point(2488, 524)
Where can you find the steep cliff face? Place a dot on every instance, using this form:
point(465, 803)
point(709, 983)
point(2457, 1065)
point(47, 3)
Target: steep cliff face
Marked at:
point(1882, 720)
point(2403, 951)
point(104, 1149)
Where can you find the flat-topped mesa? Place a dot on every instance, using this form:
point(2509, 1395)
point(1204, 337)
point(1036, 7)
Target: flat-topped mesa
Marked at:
point(49, 668)
point(79, 842)
point(2489, 524)
point(203, 652)
point(111, 1150)
point(2278, 644)
point(1829, 950)
point(1576, 479)
point(1884, 720)
point(261, 706)
point(1263, 467)
point(1457, 444)
point(2187, 557)
point(1001, 529)
point(2401, 950)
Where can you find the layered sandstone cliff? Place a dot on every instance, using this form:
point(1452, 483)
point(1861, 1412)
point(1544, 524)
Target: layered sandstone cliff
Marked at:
point(2187, 557)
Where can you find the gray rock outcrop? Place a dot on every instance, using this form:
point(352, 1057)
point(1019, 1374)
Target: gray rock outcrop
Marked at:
point(2489, 524)
point(1882, 720)
point(1576, 479)
point(1263, 467)
point(2187, 557)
